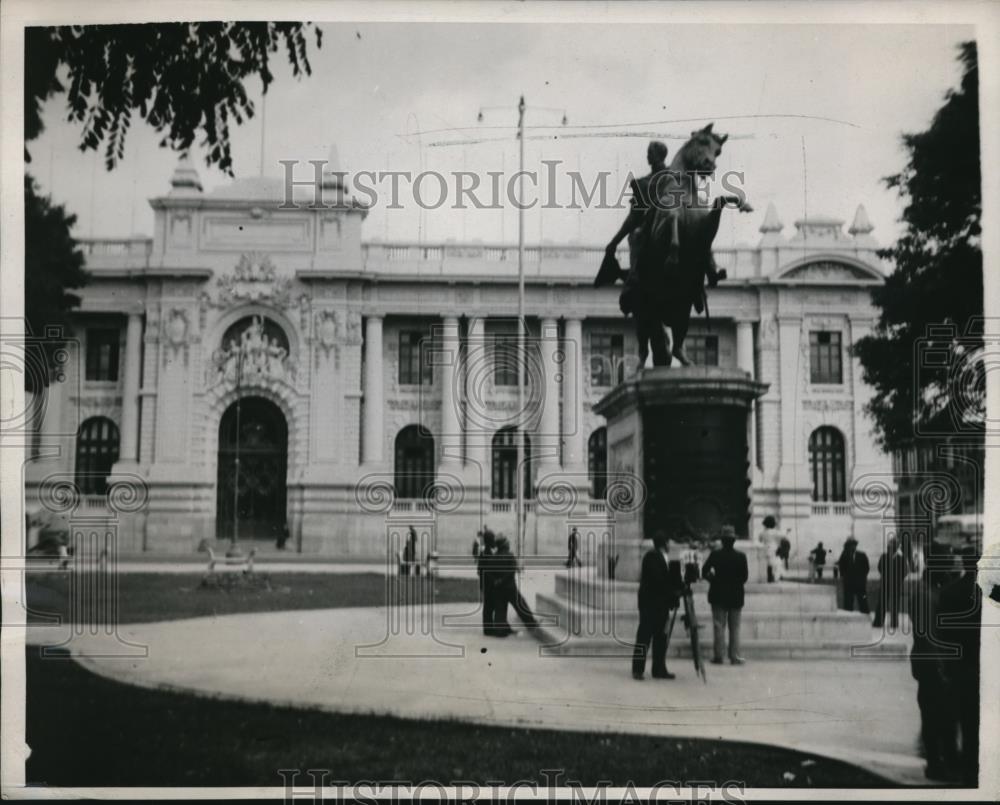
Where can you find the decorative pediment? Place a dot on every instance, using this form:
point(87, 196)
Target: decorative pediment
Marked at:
point(830, 271)
point(254, 280)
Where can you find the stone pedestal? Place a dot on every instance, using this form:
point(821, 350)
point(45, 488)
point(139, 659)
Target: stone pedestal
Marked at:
point(679, 445)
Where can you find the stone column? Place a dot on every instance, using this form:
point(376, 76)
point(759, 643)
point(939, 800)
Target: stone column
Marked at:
point(572, 429)
point(790, 378)
point(451, 435)
point(549, 430)
point(794, 505)
point(744, 360)
point(130, 391)
point(866, 454)
point(476, 373)
point(372, 429)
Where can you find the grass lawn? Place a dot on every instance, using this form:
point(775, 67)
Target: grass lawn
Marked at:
point(147, 597)
point(84, 730)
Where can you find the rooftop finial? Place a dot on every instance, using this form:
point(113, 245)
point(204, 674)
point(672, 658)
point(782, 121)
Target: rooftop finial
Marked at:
point(332, 169)
point(185, 180)
point(771, 221)
point(861, 225)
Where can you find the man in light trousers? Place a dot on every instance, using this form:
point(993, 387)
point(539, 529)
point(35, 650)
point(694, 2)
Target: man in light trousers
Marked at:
point(727, 571)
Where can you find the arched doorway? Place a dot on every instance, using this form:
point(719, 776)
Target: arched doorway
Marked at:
point(254, 432)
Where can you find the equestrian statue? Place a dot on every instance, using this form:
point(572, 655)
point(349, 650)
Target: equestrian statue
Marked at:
point(670, 228)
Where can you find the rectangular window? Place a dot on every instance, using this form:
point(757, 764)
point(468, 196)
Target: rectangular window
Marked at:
point(414, 367)
point(825, 365)
point(703, 350)
point(102, 353)
point(505, 360)
point(607, 359)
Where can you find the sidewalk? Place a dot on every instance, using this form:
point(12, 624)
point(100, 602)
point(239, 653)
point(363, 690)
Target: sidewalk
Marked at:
point(272, 562)
point(376, 660)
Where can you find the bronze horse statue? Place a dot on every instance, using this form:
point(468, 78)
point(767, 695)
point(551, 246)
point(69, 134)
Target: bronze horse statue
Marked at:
point(674, 259)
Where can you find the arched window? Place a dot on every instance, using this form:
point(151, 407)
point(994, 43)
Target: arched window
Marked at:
point(414, 462)
point(597, 462)
point(826, 461)
point(96, 453)
point(505, 465)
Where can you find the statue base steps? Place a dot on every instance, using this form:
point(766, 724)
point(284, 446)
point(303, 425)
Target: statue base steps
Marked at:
point(783, 620)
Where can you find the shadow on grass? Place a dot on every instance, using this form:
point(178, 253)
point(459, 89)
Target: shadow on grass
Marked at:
point(85, 730)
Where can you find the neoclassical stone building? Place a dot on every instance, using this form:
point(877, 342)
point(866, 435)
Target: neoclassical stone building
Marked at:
point(355, 383)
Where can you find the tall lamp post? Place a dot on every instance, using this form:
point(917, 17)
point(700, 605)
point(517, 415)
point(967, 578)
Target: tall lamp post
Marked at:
point(233, 550)
point(522, 327)
point(221, 358)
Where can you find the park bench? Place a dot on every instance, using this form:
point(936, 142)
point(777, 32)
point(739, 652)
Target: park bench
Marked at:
point(414, 567)
point(243, 563)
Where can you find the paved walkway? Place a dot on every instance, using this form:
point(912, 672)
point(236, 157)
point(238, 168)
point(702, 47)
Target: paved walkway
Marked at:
point(357, 660)
point(268, 564)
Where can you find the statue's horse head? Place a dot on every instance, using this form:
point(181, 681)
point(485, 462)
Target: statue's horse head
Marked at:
point(698, 154)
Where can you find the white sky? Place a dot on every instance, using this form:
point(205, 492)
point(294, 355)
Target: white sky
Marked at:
point(369, 96)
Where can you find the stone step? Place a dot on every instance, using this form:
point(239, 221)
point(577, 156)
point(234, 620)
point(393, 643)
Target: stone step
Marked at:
point(761, 597)
point(807, 627)
point(680, 648)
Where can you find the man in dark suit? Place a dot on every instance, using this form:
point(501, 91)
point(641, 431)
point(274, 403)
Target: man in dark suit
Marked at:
point(484, 567)
point(928, 660)
point(727, 571)
point(892, 569)
point(505, 591)
point(660, 585)
point(854, 567)
point(960, 622)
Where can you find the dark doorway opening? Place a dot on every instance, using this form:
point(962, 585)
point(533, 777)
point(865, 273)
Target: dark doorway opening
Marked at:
point(260, 443)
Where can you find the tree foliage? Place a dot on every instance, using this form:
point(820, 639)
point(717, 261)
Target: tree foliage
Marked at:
point(924, 356)
point(183, 79)
point(52, 264)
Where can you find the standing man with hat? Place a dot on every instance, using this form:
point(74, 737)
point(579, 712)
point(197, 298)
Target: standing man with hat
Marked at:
point(660, 584)
point(854, 567)
point(727, 571)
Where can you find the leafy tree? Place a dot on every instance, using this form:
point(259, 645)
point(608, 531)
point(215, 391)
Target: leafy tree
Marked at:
point(938, 280)
point(52, 264)
point(181, 78)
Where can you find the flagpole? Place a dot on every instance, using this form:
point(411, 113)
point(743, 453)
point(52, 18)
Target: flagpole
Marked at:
point(522, 328)
point(521, 335)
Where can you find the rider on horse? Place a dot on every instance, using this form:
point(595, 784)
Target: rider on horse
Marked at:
point(671, 254)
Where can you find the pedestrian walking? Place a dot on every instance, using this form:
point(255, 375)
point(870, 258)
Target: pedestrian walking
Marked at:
point(572, 547)
point(409, 561)
point(817, 557)
point(770, 538)
point(784, 550)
